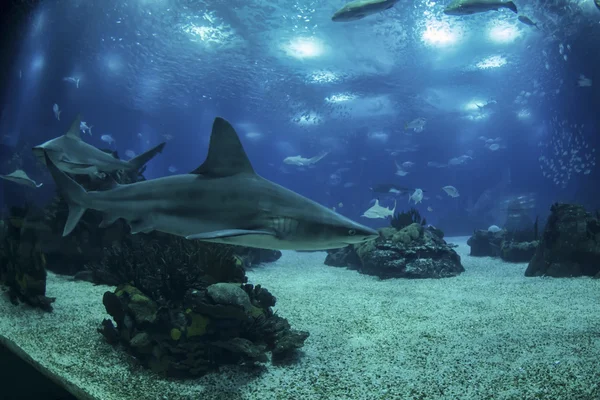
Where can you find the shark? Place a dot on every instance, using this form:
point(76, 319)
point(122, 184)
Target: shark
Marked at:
point(74, 156)
point(222, 201)
point(469, 7)
point(302, 161)
point(359, 9)
point(378, 211)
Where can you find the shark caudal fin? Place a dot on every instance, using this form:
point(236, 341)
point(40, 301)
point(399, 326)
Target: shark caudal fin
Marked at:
point(73, 193)
point(138, 162)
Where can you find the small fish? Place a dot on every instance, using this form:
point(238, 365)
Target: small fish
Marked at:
point(19, 176)
point(56, 111)
point(72, 80)
point(108, 139)
point(130, 153)
point(526, 21)
point(451, 190)
point(417, 124)
point(494, 147)
point(172, 169)
point(429, 209)
point(166, 136)
point(583, 81)
point(400, 171)
point(417, 196)
point(85, 128)
point(408, 164)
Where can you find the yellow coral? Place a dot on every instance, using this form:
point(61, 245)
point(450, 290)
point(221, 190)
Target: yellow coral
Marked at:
point(256, 311)
point(198, 325)
point(175, 334)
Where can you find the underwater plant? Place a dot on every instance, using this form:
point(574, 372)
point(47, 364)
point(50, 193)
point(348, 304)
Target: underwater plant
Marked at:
point(164, 266)
point(405, 218)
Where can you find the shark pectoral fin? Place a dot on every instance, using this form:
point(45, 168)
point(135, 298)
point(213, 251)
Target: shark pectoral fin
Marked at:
point(227, 233)
point(75, 164)
point(143, 226)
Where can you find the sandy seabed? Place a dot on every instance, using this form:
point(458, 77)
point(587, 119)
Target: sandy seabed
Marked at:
point(488, 333)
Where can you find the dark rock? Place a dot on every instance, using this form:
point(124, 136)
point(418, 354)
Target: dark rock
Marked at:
point(485, 243)
point(519, 252)
point(411, 252)
point(511, 246)
point(343, 257)
point(570, 244)
point(229, 294)
point(22, 261)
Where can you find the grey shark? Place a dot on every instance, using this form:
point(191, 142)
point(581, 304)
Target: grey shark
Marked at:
point(359, 9)
point(222, 201)
point(469, 7)
point(74, 156)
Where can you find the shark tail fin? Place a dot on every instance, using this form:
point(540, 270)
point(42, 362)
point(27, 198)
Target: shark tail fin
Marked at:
point(139, 161)
point(73, 193)
point(511, 6)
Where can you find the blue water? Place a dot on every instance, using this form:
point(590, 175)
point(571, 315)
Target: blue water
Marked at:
point(293, 82)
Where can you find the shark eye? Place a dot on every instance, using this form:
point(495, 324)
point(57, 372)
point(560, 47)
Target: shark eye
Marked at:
point(351, 232)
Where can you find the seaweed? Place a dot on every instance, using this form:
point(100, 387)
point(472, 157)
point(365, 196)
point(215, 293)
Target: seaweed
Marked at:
point(405, 218)
point(164, 266)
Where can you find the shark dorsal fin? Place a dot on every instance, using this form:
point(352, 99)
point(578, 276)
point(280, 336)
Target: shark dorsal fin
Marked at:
point(226, 156)
point(74, 131)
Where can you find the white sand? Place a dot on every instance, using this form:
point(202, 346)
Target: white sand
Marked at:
point(489, 332)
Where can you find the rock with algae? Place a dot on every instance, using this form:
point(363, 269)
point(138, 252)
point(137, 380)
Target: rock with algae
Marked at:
point(186, 324)
point(414, 251)
point(570, 244)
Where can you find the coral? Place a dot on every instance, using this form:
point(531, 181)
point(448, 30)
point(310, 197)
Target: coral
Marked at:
point(405, 218)
point(411, 252)
point(165, 266)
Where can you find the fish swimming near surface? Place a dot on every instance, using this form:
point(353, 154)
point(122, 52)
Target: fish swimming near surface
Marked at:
point(377, 211)
point(359, 9)
point(526, 21)
point(19, 176)
point(74, 156)
point(303, 162)
point(469, 7)
point(221, 201)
